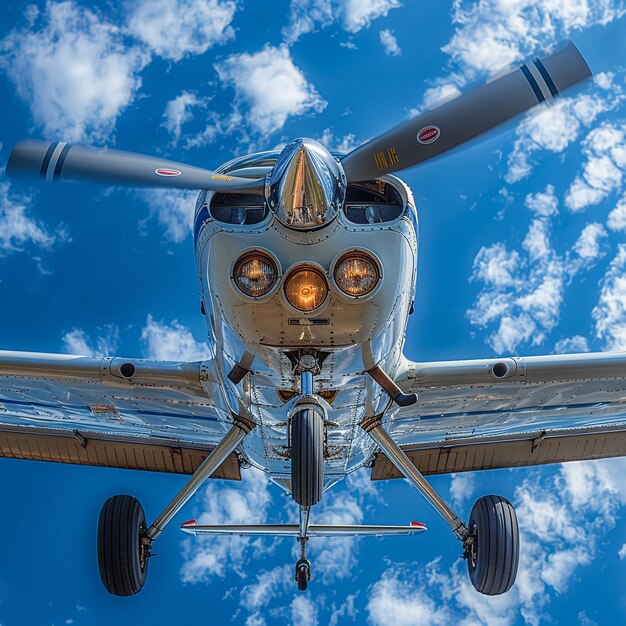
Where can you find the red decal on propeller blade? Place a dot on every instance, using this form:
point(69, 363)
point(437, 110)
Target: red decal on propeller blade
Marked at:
point(166, 171)
point(428, 134)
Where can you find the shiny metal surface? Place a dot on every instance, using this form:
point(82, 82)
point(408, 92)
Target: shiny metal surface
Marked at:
point(307, 187)
point(413, 475)
point(293, 530)
point(227, 445)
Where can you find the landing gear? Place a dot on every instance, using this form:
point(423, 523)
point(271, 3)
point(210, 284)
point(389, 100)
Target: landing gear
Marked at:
point(303, 573)
point(125, 541)
point(307, 457)
point(123, 546)
point(491, 541)
point(492, 549)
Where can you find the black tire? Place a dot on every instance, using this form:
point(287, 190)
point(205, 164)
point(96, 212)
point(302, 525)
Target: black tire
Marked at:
point(121, 527)
point(303, 573)
point(303, 578)
point(494, 556)
point(307, 457)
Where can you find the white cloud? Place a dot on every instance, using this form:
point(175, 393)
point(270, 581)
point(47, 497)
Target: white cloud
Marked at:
point(218, 556)
point(617, 217)
point(496, 266)
point(571, 345)
point(462, 488)
point(492, 34)
point(268, 585)
point(346, 610)
point(358, 14)
point(554, 128)
point(537, 240)
point(18, 228)
point(174, 29)
point(543, 204)
point(390, 43)
point(271, 85)
point(622, 552)
point(306, 16)
point(77, 341)
point(610, 312)
point(345, 144)
point(303, 612)
point(172, 342)
point(174, 209)
point(602, 173)
point(589, 244)
point(178, 112)
point(521, 295)
point(442, 91)
point(75, 70)
point(393, 600)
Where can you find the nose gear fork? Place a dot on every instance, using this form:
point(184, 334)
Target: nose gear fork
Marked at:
point(303, 565)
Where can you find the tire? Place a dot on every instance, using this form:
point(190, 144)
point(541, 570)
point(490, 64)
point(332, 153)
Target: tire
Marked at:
point(121, 527)
point(307, 457)
point(303, 578)
point(494, 557)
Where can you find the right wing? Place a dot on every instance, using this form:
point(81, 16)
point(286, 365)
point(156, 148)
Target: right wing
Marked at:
point(112, 412)
point(509, 412)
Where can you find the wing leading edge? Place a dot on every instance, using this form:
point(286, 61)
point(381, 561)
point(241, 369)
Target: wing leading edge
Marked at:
point(111, 412)
point(512, 412)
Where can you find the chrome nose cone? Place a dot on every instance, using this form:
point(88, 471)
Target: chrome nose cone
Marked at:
point(307, 186)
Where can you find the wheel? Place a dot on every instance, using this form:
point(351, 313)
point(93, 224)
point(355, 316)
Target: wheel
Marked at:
point(303, 573)
point(493, 549)
point(307, 457)
point(122, 559)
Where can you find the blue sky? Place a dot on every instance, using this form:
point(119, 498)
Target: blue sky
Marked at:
point(522, 250)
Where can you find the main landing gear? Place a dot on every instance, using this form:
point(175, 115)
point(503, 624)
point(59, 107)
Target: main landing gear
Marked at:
point(125, 541)
point(490, 540)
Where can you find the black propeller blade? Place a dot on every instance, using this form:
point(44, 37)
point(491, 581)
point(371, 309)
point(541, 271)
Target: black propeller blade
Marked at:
point(457, 121)
point(60, 161)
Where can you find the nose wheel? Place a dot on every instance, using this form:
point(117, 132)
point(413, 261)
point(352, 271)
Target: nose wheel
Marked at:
point(303, 573)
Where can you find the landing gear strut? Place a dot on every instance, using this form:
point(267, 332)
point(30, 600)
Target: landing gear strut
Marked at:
point(490, 540)
point(125, 542)
point(303, 565)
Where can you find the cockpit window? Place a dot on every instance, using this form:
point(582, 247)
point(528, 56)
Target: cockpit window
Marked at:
point(234, 208)
point(373, 202)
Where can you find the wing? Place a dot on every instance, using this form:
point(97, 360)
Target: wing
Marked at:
point(112, 412)
point(511, 412)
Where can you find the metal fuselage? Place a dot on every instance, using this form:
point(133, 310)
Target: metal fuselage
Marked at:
point(352, 334)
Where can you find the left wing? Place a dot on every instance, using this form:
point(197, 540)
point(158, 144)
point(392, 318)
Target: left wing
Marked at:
point(511, 412)
point(112, 412)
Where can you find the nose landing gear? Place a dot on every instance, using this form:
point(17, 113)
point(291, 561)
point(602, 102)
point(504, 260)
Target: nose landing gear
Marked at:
point(303, 573)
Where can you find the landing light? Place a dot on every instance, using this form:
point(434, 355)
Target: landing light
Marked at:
point(356, 274)
point(306, 289)
point(255, 274)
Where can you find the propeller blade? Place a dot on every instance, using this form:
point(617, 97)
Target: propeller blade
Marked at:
point(467, 116)
point(60, 161)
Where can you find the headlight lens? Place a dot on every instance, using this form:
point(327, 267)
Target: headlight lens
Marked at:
point(255, 274)
point(306, 289)
point(356, 274)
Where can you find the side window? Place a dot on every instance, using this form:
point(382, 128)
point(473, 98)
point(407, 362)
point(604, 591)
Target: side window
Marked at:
point(234, 208)
point(373, 202)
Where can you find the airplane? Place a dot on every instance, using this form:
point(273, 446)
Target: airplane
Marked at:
point(307, 264)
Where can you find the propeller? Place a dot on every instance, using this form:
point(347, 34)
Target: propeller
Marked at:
point(432, 133)
point(60, 161)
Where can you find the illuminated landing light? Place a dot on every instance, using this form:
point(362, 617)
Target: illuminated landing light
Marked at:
point(306, 289)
